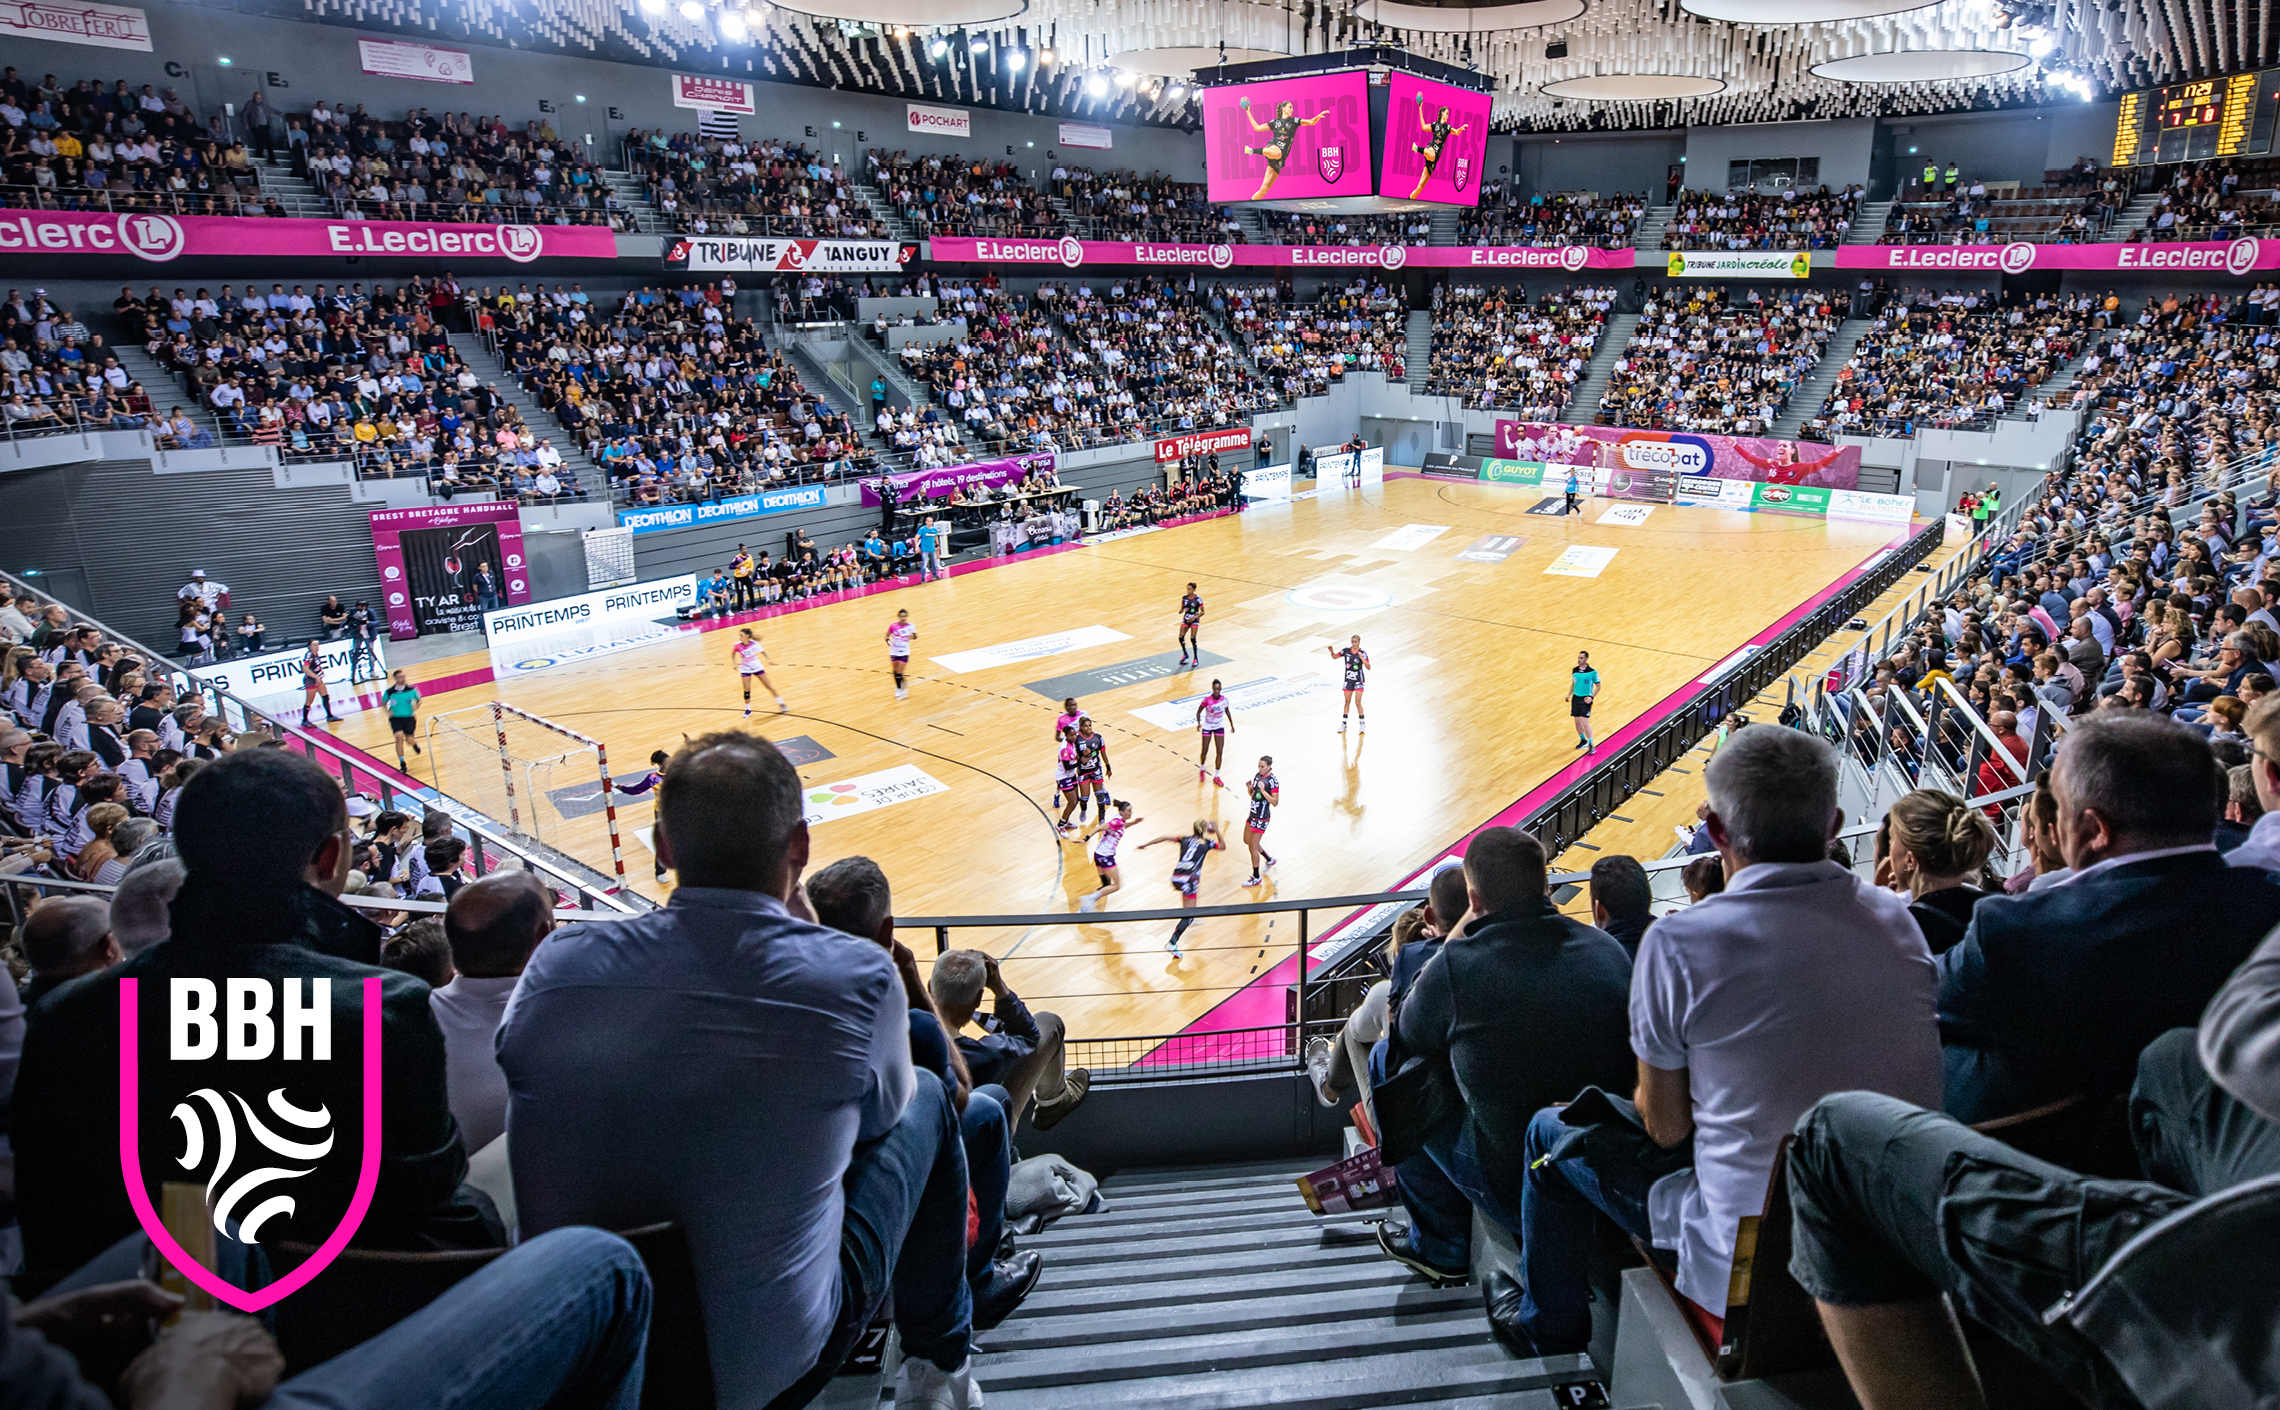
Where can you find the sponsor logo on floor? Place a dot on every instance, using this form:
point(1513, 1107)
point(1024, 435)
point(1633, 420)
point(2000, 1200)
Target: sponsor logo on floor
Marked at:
point(1340, 595)
point(1411, 536)
point(1491, 548)
point(981, 658)
point(1630, 516)
point(1179, 714)
point(901, 784)
point(1581, 560)
point(1123, 673)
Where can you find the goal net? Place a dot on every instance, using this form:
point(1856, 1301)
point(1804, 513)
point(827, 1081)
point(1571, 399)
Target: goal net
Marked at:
point(537, 779)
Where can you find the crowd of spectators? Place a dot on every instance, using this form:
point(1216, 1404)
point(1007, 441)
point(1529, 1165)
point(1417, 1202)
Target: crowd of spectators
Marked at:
point(1954, 358)
point(1008, 382)
point(1504, 217)
point(675, 396)
point(1493, 349)
point(954, 195)
point(1712, 359)
point(2212, 202)
point(1754, 220)
point(1158, 360)
point(236, 860)
point(434, 166)
point(1975, 214)
point(1124, 205)
point(1313, 228)
point(726, 186)
point(56, 374)
point(87, 145)
point(1304, 348)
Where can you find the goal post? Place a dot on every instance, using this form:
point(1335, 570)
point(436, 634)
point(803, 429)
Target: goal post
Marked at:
point(541, 780)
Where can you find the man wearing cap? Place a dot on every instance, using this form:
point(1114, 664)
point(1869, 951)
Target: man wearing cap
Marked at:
point(210, 595)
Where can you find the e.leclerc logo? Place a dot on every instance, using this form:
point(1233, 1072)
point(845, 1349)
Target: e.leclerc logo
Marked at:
point(2017, 258)
point(2241, 254)
point(1574, 257)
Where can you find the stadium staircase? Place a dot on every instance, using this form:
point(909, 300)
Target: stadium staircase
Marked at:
point(1866, 230)
point(2132, 219)
point(297, 194)
point(887, 215)
point(633, 199)
point(1080, 226)
point(1651, 227)
point(1444, 226)
point(1806, 401)
point(163, 388)
point(1583, 407)
point(476, 355)
point(1419, 362)
point(1254, 232)
point(1214, 1288)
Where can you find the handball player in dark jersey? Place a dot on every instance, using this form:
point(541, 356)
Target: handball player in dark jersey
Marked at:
point(1283, 130)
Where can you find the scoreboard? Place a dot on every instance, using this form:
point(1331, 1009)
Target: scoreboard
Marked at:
point(2210, 117)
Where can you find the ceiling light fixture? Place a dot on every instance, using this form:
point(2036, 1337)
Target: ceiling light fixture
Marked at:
point(979, 46)
point(692, 11)
point(938, 48)
point(1096, 86)
point(653, 7)
point(732, 26)
point(1014, 61)
point(1126, 80)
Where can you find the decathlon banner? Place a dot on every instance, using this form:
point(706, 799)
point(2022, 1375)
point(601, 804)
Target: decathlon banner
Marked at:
point(2235, 257)
point(1739, 264)
point(717, 511)
point(710, 256)
point(158, 239)
point(1202, 443)
point(442, 567)
point(646, 602)
point(1070, 252)
point(1686, 454)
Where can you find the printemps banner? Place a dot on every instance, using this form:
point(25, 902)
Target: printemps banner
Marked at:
point(1739, 264)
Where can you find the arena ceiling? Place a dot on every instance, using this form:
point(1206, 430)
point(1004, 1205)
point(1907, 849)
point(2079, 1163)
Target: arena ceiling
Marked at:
point(1623, 63)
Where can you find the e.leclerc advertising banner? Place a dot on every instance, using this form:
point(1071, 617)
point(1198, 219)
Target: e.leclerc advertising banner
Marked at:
point(2239, 257)
point(160, 239)
point(1071, 253)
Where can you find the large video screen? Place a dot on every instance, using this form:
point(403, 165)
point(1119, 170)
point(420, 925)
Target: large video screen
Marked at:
point(1288, 137)
point(1436, 141)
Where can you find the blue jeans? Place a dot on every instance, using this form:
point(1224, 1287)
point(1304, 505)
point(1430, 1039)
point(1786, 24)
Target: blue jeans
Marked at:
point(930, 563)
point(904, 1231)
point(1555, 1234)
point(561, 1321)
point(988, 1138)
point(1441, 1188)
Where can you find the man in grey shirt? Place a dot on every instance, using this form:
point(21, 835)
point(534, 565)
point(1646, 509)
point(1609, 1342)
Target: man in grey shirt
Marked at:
point(728, 1064)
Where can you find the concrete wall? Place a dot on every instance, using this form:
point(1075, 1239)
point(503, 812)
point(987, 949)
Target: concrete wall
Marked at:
point(2005, 146)
point(1842, 144)
point(317, 60)
point(1604, 162)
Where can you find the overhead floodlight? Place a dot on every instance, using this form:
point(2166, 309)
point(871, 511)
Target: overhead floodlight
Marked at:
point(1096, 86)
point(1126, 79)
point(979, 46)
point(1045, 56)
point(692, 11)
point(2041, 47)
point(1014, 61)
point(1179, 90)
point(732, 26)
point(653, 7)
point(938, 48)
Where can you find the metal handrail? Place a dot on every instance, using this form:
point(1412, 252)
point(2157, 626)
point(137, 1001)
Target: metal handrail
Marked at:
point(485, 843)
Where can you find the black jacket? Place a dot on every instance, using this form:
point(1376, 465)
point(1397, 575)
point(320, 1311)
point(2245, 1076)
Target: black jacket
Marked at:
point(72, 1200)
point(1530, 1008)
point(990, 1057)
point(2058, 991)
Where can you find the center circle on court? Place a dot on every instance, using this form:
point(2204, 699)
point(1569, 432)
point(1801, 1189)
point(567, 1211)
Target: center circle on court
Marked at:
point(1341, 597)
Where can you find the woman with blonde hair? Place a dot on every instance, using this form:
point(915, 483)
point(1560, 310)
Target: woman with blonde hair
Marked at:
point(1932, 847)
point(98, 861)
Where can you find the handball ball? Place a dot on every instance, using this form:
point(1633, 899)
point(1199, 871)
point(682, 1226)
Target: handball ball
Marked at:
point(1246, 102)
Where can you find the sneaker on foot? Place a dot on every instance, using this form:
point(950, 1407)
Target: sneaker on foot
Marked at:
point(748, 711)
point(1341, 724)
point(1320, 1053)
point(1253, 881)
point(1270, 862)
point(1086, 901)
point(1395, 1242)
point(416, 747)
point(783, 707)
point(922, 1385)
point(1361, 726)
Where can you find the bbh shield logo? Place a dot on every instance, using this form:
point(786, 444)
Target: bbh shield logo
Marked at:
point(247, 1148)
point(1462, 173)
point(1331, 162)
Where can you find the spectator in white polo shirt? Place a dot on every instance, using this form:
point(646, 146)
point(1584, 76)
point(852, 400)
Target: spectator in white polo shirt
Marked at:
point(210, 594)
point(493, 924)
point(1799, 980)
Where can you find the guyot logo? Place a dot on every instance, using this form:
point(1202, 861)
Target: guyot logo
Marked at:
point(2241, 254)
point(521, 243)
point(1072, 251)
point(247, 1144)
point(2017, 258)
point(1574, 257)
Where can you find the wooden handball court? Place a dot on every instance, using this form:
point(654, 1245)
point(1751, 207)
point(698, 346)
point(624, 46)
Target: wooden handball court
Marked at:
point(1467, 704)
